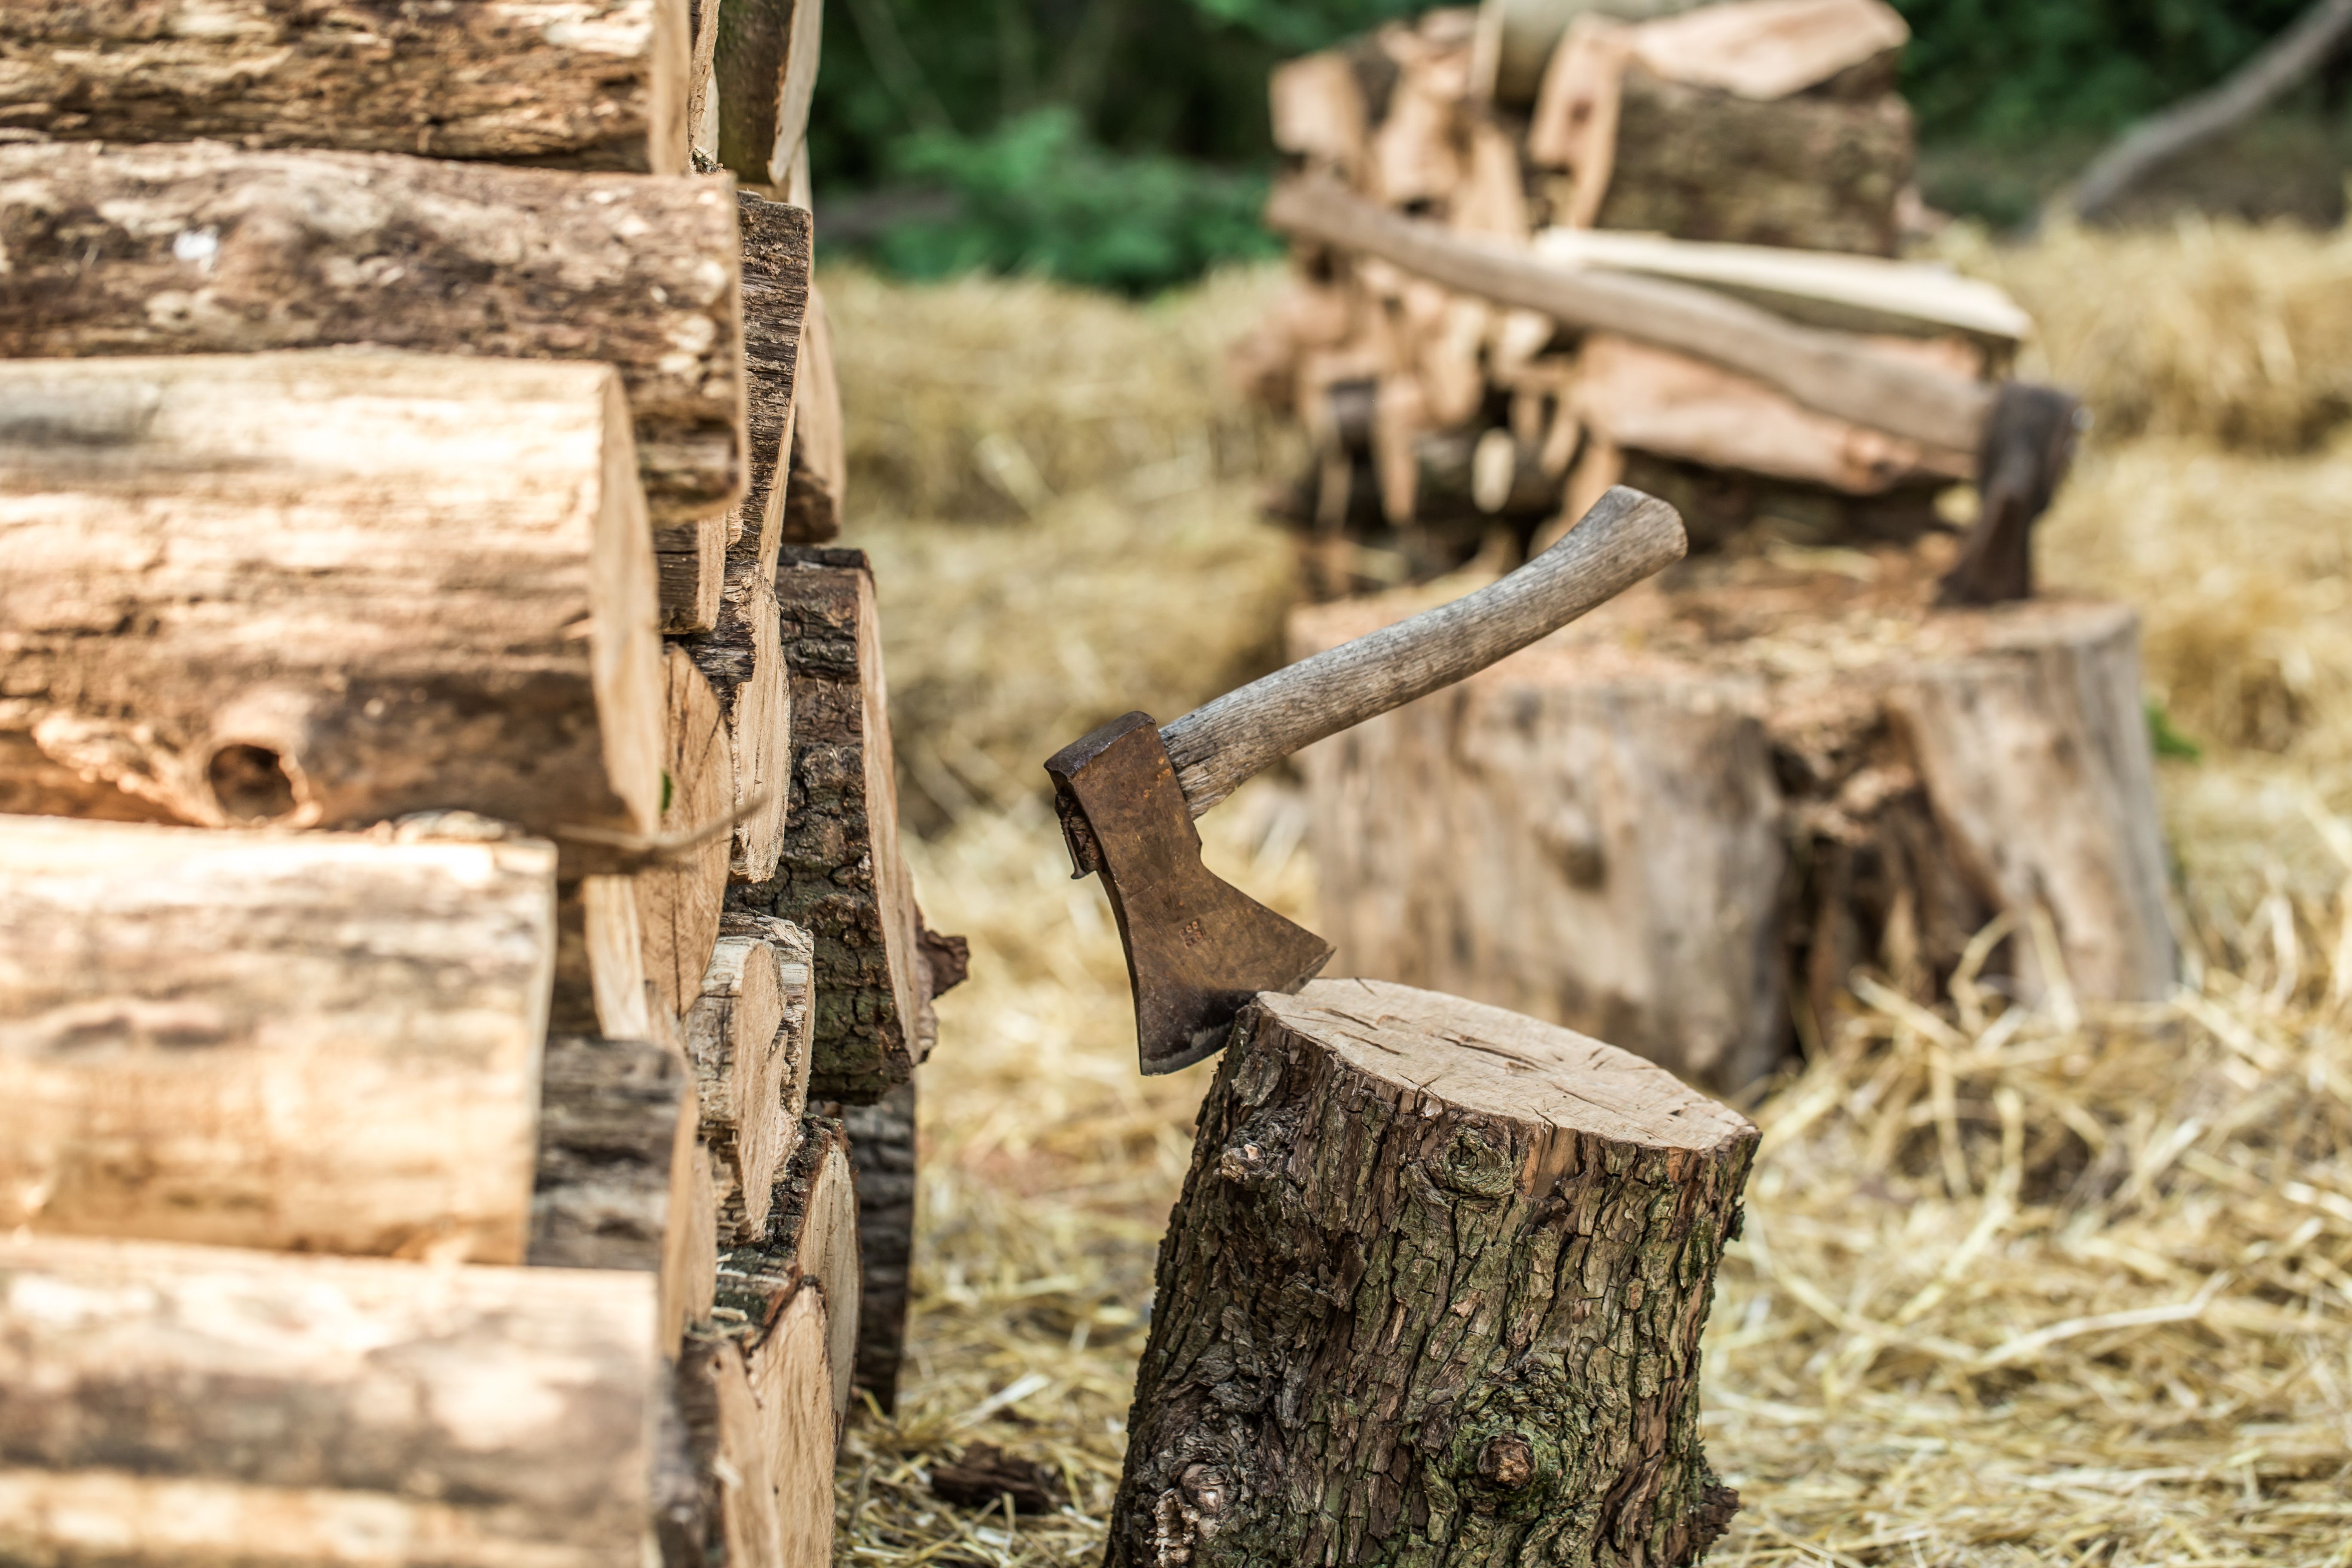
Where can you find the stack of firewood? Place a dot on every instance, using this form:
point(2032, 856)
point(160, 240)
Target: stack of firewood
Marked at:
point(1757, 149)
point(451, 894)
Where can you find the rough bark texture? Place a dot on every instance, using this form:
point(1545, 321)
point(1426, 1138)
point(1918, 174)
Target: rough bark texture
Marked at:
point(818, 481)
point(840, 876)
point(203, 1407)
point(310, 1042)
point(581, 84)
point(1817, 171)
point(810, 1249)
point(1665, 823)
point(1433, 1293)
point(328, 589)
point(747, 1037)
point(205, 248)
point(882, 1160)
point(777, 245)
point(678, 901)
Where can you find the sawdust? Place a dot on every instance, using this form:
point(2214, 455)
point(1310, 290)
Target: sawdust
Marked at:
point(2054, 1288)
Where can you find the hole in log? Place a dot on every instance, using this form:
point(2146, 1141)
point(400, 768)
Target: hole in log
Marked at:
point(252, 784)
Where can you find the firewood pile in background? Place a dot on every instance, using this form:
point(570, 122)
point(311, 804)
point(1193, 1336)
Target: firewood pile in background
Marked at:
point(1755, 147)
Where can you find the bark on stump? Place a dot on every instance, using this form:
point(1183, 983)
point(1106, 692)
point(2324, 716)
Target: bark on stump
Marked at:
point(1663, 822)
point(1433, 1293)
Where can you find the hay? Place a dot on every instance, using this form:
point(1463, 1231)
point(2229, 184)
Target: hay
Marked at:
point(2215, 330)
point(2058, 1287)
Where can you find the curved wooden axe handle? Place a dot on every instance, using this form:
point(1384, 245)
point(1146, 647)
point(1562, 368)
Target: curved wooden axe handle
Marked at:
point(1216, 747)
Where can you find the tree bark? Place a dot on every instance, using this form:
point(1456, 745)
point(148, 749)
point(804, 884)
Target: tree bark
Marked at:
point(623, 1183)
point(747, 1037)
point(1701, 803)
point(818, 479)
point(882, 1161)
point(1433, 1292)
point(579, 84)
point(809, 1249)
point(766, 73)
point(840, 875)
point(310, 1042)
point(778, 247)
point(328, 589)
point(203, 249)
point(678, 901)
point(201, 1407)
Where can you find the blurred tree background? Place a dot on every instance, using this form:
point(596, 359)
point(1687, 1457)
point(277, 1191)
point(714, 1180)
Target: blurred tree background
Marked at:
point(1124, 144)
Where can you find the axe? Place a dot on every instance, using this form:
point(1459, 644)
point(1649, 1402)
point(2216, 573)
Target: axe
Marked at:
point(1197, 947)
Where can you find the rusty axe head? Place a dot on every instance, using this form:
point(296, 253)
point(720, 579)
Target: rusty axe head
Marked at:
point(1198, 948)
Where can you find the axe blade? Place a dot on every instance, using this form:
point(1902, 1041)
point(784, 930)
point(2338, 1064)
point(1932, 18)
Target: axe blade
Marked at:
point(1198, 948)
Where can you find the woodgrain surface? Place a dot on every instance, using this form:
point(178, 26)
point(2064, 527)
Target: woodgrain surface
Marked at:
point(584, 84)
point(205, 248)
point(204, 1407)
point(321, 1042)
point(331, 588)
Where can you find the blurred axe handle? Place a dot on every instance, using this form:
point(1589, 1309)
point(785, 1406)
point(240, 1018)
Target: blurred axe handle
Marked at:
point(1624, 538)
point(1826, 371)
point(2029, 444)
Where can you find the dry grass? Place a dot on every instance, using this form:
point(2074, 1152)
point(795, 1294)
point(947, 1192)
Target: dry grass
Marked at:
point(2058, 1287)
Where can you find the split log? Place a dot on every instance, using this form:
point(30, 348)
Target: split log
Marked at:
point(841, 876)
point(578, 84)
point(181, 1405)
point(1697, 803)
point(742, 656)
point(690, 568)
point(679, 898)
point(320, 1042)
point(882, 1161)
point(760, 1430)
point(810, 1250)
point(818, 481)
point(766, 75)
point(622, 1181)
point(327, 589)
point(600, 961)
point(1434, 1291)
point(203, 249)
point(747, 1037)
point(1516, 38)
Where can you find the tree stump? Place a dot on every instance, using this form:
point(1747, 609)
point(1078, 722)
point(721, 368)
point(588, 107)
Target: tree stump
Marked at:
point(1710, 796)
point(1433, 1293)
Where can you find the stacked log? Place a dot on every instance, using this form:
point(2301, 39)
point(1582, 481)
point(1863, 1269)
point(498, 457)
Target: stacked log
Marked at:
point(1754, 148)
point(373, 403)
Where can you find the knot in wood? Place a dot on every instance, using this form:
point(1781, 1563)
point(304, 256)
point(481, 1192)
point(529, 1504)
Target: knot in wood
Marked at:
point(1245, 1163)
point(1508, 1461)
point(1477, 1166)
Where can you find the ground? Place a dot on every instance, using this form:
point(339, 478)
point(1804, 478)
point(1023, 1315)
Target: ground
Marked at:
point(2065, 1288)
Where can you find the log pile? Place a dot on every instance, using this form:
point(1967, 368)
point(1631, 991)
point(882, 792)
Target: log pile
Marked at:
point(1753, 152)
point(392, 971)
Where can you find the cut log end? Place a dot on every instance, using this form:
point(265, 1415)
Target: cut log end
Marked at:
point(1537, 1214)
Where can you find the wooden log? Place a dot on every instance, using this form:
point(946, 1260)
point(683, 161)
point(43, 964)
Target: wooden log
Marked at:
point(197, 1407)
point(331, 588)
point(1700, 804)
point(778, 246)
point(600, 961)
point(1433, 1290)
point(811, 1249)
point(690, 570)
point(742, 656)
point(747, 1037)
point(321, 1042)
point(1516, 38)
point(578, 84)
point(622, 1182)
point(740, 1521)
point(882, 1164)
point(841, 876)
point(678, 901)
point(205, 248)
point(766, 76)
point(818, 481)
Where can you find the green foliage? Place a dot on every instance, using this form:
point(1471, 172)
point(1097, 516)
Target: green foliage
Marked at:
point(2014, 72)
point(2168, 741)
point(1036, 196)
